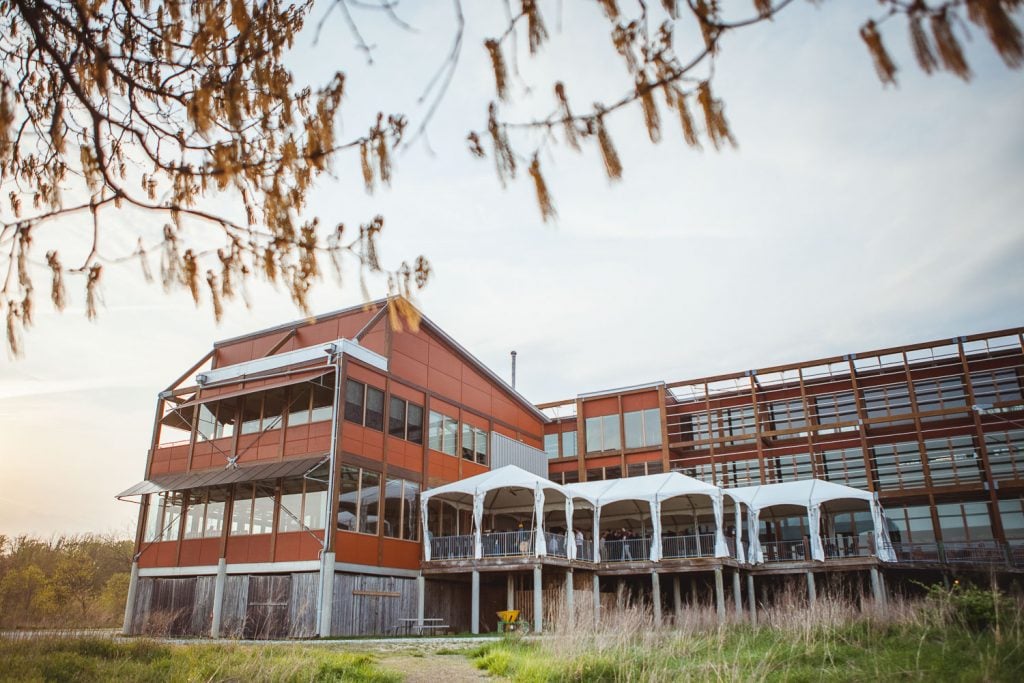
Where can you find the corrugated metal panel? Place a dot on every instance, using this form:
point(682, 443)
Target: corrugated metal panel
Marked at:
point(192, 480)
point(506, 451)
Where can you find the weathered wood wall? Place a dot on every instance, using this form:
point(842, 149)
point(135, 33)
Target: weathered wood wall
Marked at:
point(371, 605)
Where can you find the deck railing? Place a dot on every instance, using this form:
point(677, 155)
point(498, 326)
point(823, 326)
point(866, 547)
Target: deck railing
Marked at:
point(676, 547)
point(846, 546)
point(507, 543)
point(451, 547)
point(521, 543)
point(626, 550)
point(785, 551)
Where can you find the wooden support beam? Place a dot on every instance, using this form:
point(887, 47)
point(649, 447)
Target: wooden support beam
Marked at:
point(719, 594)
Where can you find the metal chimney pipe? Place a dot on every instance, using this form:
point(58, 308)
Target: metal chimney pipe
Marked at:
point(513, 369)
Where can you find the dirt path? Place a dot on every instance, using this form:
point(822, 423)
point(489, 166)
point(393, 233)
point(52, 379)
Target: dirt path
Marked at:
point(433, 668)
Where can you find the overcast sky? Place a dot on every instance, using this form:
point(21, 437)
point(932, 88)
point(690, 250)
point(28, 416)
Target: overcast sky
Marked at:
point(851, 217)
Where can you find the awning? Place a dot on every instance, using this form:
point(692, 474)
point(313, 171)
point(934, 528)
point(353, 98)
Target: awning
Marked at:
point(221, 477)
point(181, 415)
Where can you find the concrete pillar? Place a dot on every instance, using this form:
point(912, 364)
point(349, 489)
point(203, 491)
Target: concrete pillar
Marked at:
point(737, 592)
point(620, 594)
point(752, 598)
point(694, 596)
point(326, 593)
point(570, 599)
point(812, 593)
point(656, 597)
point(510, 591)
point(876, 588)
point(129, 605)
point(719, 593)
point(597, 599)
point(218, 598)
point(421, 601)
point(677, 597)
point(885, 588)
point(538, 601)
point(474, 619)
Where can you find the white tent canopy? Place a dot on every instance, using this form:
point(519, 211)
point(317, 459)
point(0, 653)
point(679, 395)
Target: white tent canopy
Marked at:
point(511, 489)
point(507, 489)
point(809, 494)
point(654, 489)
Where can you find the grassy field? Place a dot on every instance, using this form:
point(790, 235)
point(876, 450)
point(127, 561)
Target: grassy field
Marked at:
point(96, 659)
point(934, 640)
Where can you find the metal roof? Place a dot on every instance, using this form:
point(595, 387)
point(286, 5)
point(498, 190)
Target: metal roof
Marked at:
point(221, 477)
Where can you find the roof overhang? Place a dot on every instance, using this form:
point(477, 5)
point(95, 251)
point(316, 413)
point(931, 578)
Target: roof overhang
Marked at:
point(222, 477)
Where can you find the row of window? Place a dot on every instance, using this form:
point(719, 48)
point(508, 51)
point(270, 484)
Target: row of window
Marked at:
point(562, 445)
point(443, 435)
point(951, 461)
point(364, 405)
point(604, 433)
point(299, 504)
point(840, 408)
point(359, 507)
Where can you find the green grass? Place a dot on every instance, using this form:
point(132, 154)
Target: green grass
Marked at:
point(855, 652)
point(88, 659)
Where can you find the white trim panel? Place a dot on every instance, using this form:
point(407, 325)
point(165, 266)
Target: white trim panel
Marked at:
point(280, 360)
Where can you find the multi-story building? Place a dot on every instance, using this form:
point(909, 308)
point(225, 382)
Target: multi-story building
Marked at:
point(282, 486)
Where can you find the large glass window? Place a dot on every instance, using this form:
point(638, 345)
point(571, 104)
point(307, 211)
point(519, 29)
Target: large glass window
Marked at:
point(643, 428)
point(964, 521)
point(887, 401)
point(364, 405)
point(953, 461)
point(898, 466)
point(299, 407)
point(443, 433)
point(163, 517)
point(1004, 454)
point(910, 524)
point(551, 445)
point(845, 466)
point(322, 407)
point(204, 517)
point(735, 473)
point(836, 408)
point(253, 510)
point(401, 509)
point(941, 394)
point(1000, 386)
point(252, 411)
point(1012, 514)
point(603, 433)
point(359, 504)
point(311, 402)
point(785, 415)
point(302, 504)
point(569, 444)
point(405, 420)
point(791, 467)
point(474, 444)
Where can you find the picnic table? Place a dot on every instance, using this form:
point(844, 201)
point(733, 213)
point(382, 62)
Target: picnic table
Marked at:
point(409, 625)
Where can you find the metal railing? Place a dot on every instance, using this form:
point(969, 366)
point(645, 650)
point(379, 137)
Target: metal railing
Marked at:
point(555, 544)
point(846, 546)
point(785, 551)
point(675, 547)
point(626, 550)
point(981, 553)
point(507, 543)
point(451, 547)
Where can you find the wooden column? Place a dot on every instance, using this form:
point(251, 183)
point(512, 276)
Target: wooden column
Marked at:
point(719, 594)
point(812, 593)
point(752, 599)
point(474, 619)
point(677, 597)
point(570, 599)
point(656, 598)
point(737, 592)
point(538, 600)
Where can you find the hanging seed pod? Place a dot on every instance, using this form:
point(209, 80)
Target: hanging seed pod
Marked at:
point(218, 307)
point(499, 69)
point(534, 25)
point(920, 43)
point(884, 65)
point(58, 294)
point(571, 138)
point(652, 120)
point(612, 165)
point(547, 207)
point(92, 295)
point(950, 54)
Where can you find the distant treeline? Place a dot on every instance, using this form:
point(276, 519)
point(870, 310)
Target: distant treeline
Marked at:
point(64, 582)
